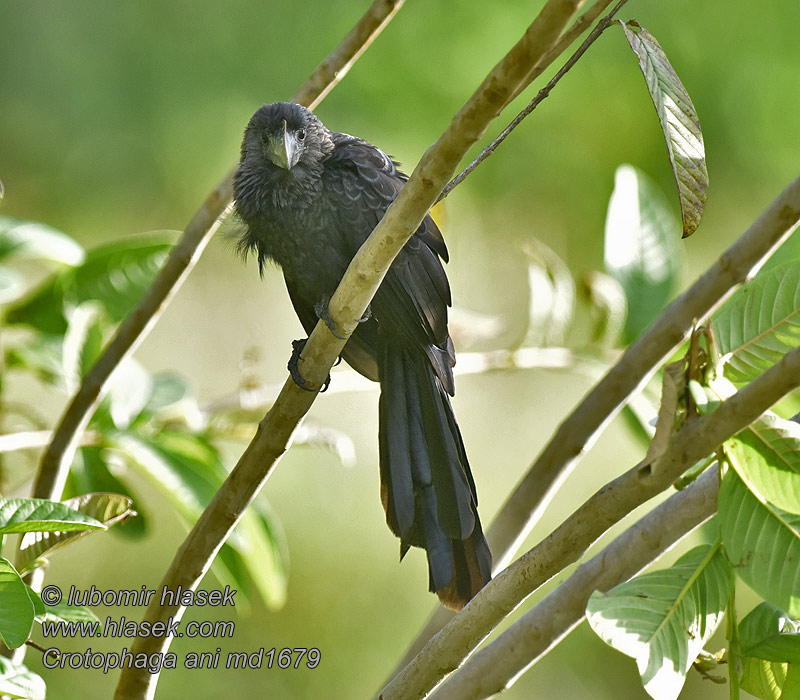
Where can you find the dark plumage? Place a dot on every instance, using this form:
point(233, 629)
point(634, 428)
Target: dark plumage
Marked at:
point(308, 199)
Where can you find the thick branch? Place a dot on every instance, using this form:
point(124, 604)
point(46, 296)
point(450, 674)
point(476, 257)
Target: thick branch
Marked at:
point(59, 454)
point(564, 546)
point(347, 305)
point(578, 431)
point(636, 366)
point(495, 667)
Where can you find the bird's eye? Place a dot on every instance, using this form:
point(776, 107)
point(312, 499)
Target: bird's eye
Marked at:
point(301, 134)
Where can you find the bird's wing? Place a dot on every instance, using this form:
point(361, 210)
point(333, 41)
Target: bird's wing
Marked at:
point(412, 302)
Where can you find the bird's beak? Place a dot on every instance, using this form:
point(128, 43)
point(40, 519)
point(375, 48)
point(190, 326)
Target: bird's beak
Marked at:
point(283, 149)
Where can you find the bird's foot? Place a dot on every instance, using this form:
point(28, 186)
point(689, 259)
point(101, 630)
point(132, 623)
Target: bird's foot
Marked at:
point(367, 315)
point(294, 370)
point(321, 309)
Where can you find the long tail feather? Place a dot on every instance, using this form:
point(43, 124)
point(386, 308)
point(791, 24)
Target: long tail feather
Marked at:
point(426, 484)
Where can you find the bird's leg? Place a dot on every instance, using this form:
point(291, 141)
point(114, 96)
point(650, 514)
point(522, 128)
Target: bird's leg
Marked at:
point(321, 309)
point(294, 370)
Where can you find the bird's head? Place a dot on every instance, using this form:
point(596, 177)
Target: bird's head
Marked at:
point(286, 135)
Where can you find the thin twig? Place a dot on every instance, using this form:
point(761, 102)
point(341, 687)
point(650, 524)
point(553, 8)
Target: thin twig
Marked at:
point(567, 38)
point(34, 439)
point(499, 664)
point(602, 25)
point(445, 652)
point(347, 380)
point(460, 637)
point(346, 307)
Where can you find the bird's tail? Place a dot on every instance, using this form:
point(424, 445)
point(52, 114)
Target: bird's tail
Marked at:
point(426, 484)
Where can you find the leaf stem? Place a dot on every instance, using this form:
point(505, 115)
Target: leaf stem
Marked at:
point(732, 636)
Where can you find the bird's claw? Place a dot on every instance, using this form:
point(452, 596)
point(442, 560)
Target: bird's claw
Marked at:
point(294, 370)
point(367, 315)
point(321, 309)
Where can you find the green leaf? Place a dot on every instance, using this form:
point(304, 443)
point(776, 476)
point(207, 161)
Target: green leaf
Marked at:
point(39, 607)
point(12, 284)
point(769, 633)
point(767, 458)
point(129, 389)
point(90, 473)
point(186, 468)
point(68, 613)
point(39, 355)
point(762, 542)
point(166, 391)
point(760, 323)
point(552, 296)
point(42, 310)
point(16, 681)
point(608, 307)
point(16, 607)
point(41, 515)
point(262, 547)
point(83, 342)
point(106, 508)
point(32, 239)
point(117, 274)
point(662, 619)
point(679, 122)
point(770, 681)
point(641, 248)
point(769, 644)
point(189, 471)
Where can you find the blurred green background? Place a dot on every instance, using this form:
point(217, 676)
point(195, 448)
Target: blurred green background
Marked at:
point(118, 118)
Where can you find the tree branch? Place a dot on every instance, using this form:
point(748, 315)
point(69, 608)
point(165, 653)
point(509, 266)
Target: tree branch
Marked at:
point(183, 257)
point(544, 93)
point(495, 667)
point(456, 638)
point(636, 366)
point(347, 305)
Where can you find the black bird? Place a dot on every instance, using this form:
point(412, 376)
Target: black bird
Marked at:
point(308, 198)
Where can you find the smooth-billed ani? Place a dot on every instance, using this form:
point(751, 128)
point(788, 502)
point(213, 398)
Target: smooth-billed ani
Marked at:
point(308, 198)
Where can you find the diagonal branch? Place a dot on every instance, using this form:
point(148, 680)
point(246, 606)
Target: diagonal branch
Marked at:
point(496, 666)
point(637, 365)
point(543, 94)
point(347, 305)
point(61, 450)
point(456, 640)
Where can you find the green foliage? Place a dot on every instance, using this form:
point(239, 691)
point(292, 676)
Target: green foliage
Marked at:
point(105, 509)
point(758, 517)
point(147, 424)
point(39, 514)
point(16, 607)
point(679, 122)
point(116, 275)
point(642, 251)
point(760, 323)
point(769, 650)
point(47, 525)
point(762, 541)
point(663, 619)
point(16, 681)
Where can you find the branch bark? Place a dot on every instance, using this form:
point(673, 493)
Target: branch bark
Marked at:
point(495, 667)
point(634, 369)
point(58, 457)
point(636, 366)
point(457, 637)
point(346, 306)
